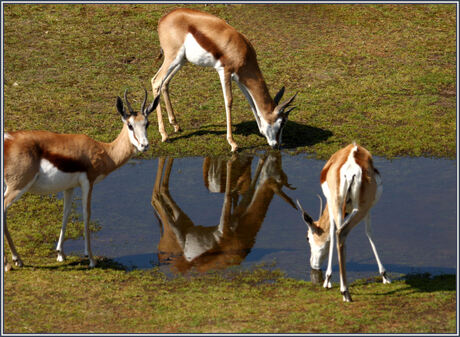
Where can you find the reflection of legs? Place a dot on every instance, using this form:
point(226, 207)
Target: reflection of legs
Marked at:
point(67, 207)
point(172, 217)
point(227, 206)
point(382, 270)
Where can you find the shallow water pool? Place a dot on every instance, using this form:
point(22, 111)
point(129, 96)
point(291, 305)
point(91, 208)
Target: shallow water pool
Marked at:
point(199, 214)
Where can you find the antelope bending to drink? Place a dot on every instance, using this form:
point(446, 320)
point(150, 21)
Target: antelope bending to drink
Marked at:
point(44, 162)
point(205, 40)
point(351, 185)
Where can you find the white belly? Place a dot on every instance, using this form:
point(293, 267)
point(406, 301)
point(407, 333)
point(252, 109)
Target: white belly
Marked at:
point(51, 180)
point(196, 54)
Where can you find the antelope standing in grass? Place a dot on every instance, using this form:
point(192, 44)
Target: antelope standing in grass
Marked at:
point(351, 185)
point(44, 162)
point(205, 40)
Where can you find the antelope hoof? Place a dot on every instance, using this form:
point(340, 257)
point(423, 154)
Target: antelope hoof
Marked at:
point(177, 128)
point(92, 263)
point(385, 278)
point(60, 257)
point(346, 296)
point(234, 148)
point(164, 138)
point(8, 267)
point(17, 262)
point(327, 282)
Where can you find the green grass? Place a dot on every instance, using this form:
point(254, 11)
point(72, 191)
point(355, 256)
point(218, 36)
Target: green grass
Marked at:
point(74, 299)
point(382, 75)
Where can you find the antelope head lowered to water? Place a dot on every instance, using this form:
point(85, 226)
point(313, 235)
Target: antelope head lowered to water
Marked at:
point(351, 185)
point(205, 40)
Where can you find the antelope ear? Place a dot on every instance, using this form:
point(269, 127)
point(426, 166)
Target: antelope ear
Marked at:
point(278, 96)
point(121, 108)
point(286, 113)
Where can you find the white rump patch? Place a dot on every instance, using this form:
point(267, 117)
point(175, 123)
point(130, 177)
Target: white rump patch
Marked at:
point(6, 135)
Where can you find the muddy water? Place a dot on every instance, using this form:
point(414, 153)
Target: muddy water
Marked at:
point(201, 214)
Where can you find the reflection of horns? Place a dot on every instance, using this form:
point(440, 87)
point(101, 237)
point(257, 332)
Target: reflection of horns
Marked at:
point(320, 206)
point(286, 198)
point(292, 188)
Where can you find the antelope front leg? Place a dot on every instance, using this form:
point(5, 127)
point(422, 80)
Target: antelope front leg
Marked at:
point(341, 236)
point(226, 82)
point(327, 280)
point(67, 208)
point(170, 66)
point(86, 189)
point(165, 92)
point(161, 126)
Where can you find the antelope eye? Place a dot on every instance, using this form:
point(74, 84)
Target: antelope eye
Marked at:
point(130, 126)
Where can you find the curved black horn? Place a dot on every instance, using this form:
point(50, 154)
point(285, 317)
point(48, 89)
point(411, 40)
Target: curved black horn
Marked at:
point(143, 103)
point(130, 109)
point(285, 104)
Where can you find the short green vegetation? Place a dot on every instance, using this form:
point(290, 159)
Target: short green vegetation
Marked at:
point(383, 75)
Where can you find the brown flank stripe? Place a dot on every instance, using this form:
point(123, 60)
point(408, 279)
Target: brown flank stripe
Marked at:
point(63, 163)
point(206, 43)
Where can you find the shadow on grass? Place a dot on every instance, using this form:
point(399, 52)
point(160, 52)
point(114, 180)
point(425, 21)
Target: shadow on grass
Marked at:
point(421, 283)
point(80, 264)
point(294, 135)
point(427, 283)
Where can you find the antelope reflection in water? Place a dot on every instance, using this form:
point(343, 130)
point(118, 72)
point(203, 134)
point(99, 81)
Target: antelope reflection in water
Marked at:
point(246, 200)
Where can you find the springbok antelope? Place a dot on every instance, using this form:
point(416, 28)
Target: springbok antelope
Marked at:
point(43, 162)
point(205, 40)
point(246, 202)
point(351, 185)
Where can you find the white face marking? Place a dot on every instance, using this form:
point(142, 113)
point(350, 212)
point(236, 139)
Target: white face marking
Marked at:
point(196, 54)
point(138, 133)
point(318, 251)
point(51, 180)
point(271, 131)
